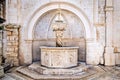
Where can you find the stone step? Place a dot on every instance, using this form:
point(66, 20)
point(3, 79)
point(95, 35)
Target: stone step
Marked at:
point(58, 71)
point(15, 76)
point(37, 76)
point(7, 77)
point(12, 76)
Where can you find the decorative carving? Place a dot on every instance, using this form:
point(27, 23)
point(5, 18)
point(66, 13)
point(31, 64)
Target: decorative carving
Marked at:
point(59, 35)
point(59, 57)
point(59, 27)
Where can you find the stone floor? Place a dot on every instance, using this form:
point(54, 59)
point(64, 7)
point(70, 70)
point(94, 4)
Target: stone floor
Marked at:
point(95, 73)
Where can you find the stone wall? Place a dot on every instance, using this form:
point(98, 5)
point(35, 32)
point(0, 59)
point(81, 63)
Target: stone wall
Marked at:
point(1, 45)
point(12, 52)
point(22, 12)
point(13, 11)
point(25, 12)
point(116, 30)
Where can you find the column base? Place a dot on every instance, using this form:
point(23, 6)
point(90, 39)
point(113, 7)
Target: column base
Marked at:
point(109, 56)
point(94, 54)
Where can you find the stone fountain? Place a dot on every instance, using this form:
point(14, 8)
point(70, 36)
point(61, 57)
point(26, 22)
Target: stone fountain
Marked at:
point(56, 62)
point(59, 56)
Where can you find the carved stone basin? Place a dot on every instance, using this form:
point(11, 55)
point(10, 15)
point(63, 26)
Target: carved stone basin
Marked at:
point(59, 57)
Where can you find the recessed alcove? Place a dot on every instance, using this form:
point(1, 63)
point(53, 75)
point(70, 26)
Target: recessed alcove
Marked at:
point(74, 35)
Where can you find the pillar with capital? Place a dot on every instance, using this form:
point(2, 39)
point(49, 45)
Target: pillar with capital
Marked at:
point(12, 45)
point(109, 54)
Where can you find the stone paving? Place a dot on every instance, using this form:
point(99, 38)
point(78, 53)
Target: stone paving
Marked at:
point(99, 73)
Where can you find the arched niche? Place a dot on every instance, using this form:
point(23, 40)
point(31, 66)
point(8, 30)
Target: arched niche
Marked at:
point(33, 17)
point(74, 34)
point(30, 22)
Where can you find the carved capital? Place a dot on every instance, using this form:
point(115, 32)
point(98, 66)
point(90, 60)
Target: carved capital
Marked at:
point(29, 41)
point(12, 26)
point(109, 8)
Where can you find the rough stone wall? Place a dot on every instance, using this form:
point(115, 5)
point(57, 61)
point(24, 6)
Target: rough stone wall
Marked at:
point(12, 44)
point(1, 45)
point(13, 11)
point(19, 11)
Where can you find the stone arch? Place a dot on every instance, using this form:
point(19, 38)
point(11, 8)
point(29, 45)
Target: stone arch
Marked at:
point(74, 34)
point(89, 30)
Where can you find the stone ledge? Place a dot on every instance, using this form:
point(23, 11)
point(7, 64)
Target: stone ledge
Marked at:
point(68, 71)
point(61, 48)
point(37, 76)
point(12, 26)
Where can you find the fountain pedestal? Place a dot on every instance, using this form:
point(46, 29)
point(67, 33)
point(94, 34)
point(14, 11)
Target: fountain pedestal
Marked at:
point(59, 57)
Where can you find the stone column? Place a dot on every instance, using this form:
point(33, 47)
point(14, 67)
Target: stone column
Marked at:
point(28, 57)
point(93, 52)
point(12, 44)
point(92, 56)
point(109, 54)
point(101, 14)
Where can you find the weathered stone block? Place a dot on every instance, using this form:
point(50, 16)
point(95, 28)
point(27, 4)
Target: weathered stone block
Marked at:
point(1, 71)
point(109, 56)
point(10, 49)
point(109, 59)
point(8, 37)
point(94, 54)
point(15, 32)
point(11, 38)
point(12, 41)
point(16, 64)
point(8, 54)
point(0, 59)
point(9, 33)
point(9, 43)
point(16, 38)
point(16, 49)
point(14, 55)
point(15, 43)
point(15, 59)
point(0, 44)
point(117, 58)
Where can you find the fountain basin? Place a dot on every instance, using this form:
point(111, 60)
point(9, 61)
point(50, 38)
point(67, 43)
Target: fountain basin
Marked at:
point(59, 57)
